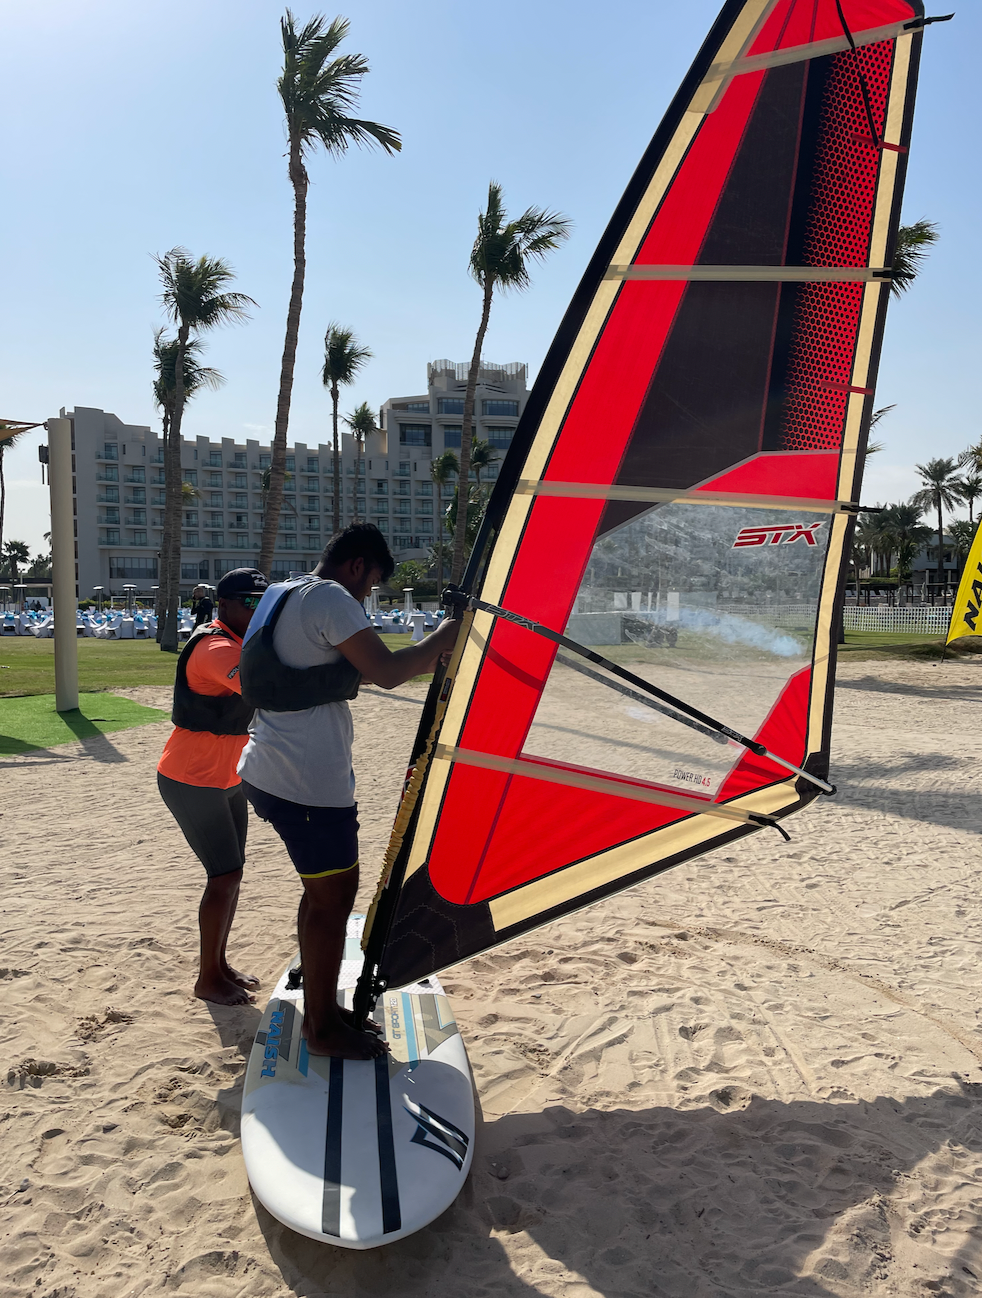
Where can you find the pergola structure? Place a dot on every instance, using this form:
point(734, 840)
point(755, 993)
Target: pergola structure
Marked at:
point(62, 551)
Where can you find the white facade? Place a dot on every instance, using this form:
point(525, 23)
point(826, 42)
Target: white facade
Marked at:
point(118, 484)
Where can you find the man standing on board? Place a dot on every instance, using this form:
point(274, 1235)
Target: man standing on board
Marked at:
point(308, 647)
point(197, 779)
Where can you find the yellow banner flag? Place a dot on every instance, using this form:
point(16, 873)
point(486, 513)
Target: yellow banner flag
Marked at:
point(965, 619)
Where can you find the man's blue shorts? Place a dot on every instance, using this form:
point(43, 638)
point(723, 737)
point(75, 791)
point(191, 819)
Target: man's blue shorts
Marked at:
point(321, 841)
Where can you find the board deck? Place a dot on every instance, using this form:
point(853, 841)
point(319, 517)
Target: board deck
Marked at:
point(359, 1153)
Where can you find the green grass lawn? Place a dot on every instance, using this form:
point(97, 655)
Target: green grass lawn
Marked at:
point(31, 721)
point(27, 666)
point(893, 644)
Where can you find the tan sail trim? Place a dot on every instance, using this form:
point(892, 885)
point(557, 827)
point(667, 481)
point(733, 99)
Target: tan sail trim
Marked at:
point(607, 867)
point(753, 274)
point(799, 53)
point(741, 36)
point(593, 783)
point(660, 495)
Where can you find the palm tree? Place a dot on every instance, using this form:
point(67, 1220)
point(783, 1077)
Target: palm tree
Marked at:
point(343, 358)
point(6, 443)
point(499, 259)
point(15, 552)
point(482, 454)
point(196, 298)
point(913, 243)
point(318, 91)
point(873, 448)
point(361, 421)
point(442, 470)
point(942, 490)
point(971, 490)
point(908, 535)
point(962, 534)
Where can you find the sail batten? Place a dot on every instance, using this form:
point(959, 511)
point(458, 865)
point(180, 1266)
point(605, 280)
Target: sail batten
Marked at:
point(676, 504)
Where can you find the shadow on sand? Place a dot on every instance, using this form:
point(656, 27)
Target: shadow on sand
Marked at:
point(748, 1197)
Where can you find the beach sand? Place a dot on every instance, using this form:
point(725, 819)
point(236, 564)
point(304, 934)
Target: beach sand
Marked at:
point(760, 1073)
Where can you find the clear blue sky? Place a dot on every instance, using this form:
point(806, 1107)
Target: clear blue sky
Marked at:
point(129, 128)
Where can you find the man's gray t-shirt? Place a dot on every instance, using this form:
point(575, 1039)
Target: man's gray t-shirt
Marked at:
point(305, 756)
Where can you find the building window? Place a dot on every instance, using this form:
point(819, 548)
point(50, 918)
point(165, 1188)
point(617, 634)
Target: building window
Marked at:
point(239, 501)
point(500, 437)
point(402, 489)
point(289, 543)
point(215, 520)
point(291, 464)
point(450, 406)
point(264, 461)
point(380, 506)
point(239, 459)
point(238, 480)
point(137, 475)
point(313, 525)
point(158, 477)
point(139, 538)
point(144, 568)
point(109, 494)
point(112, 516)
point(417, 407)
point(138, 496)
point(381, 487)
point(402, 507)
point(500, 407)
point(110, 451)
point(241, 521)
point(195, 571)
point(424, 506)
point(241, 542)
point(109, 474)
point(415, 435)
point(217, 540)
point(190, 518)
point(139, 518)
point(402, 469)
point(451, 435)
point(424, 488)
point(216, 500)
point(491, 472)
point(313, 464)
point(215, 459)
point(402, 542)
point(191, 476)
point(112, 537)
point(214, 480)
point(383, 526)
point(191, 539)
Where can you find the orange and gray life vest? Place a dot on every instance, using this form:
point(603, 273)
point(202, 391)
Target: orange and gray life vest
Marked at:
point(224, 714)
point(268, 683)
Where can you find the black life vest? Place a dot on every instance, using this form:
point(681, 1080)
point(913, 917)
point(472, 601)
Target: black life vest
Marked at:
point(268, 683)
point(225, 714)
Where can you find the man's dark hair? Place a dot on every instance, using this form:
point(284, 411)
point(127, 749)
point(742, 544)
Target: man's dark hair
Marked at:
point(360, 541)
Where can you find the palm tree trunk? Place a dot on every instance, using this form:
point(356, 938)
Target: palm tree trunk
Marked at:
point(940, 545)
point(466, 437)
point(3, 498)
point(274, 499)
point(439, 552)
point(173, 500)
point(336, 461)
point(160, 606)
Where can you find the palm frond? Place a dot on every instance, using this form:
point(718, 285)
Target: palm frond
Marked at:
point(913, 245)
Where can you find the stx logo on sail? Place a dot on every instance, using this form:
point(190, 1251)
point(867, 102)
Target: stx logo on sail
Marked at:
point(777, 534)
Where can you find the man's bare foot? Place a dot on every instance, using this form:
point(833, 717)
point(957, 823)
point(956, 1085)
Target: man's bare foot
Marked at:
point(345, 1043)
point(347, 1016)
point(249, 981)
point(222, 991)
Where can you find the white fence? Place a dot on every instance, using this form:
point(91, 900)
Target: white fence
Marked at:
point(911, 619)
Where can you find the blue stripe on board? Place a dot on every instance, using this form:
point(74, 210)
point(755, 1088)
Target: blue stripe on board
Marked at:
point(388, 1177)
point(331, 1209)
point(409, 1022)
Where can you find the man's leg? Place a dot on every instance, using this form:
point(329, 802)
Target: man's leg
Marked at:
point(239, 810)
point(321, 924)
point(215, 915)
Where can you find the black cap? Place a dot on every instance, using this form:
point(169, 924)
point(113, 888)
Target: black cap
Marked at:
point(241, 581)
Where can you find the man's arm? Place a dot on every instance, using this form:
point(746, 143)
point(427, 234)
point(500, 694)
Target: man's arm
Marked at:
point(379, 665)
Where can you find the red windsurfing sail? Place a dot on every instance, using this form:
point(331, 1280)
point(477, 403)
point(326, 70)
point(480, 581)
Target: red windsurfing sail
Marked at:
point(676, 503)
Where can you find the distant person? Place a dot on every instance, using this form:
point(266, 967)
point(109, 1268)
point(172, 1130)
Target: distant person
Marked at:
point(307, 650)
point(197, 779)
point(202, 606)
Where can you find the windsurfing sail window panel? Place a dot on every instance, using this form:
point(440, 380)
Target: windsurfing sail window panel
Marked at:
point(679, 493)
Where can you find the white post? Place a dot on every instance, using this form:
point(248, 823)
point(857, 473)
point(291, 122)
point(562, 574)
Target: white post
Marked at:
point(63, 563)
